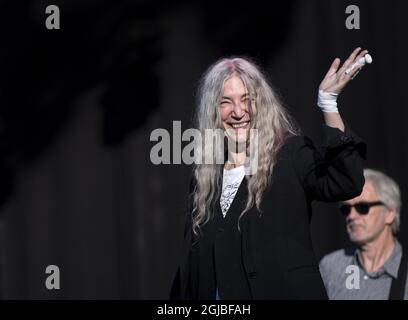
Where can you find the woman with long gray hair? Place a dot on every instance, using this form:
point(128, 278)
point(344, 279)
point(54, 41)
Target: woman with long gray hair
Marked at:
point(247, 230)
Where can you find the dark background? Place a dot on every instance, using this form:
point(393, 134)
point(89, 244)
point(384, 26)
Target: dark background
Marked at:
point(77, 106)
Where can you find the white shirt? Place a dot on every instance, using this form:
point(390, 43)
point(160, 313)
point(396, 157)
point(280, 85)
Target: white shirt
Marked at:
point(231, 181)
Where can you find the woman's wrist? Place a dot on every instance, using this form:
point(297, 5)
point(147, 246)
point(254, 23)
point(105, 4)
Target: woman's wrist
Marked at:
point(334, 120)
point(327, 101)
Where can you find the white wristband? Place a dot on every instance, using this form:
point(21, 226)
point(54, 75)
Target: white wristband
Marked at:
point(327, 101)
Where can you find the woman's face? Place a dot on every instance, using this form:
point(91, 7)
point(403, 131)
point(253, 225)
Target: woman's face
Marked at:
point(234, 110)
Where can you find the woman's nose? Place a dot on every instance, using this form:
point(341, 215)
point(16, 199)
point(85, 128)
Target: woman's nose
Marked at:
point(239, 109)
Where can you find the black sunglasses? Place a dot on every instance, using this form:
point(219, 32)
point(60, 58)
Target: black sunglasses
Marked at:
point(361, 207)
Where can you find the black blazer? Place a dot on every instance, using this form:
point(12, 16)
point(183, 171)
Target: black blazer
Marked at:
point(277, 250)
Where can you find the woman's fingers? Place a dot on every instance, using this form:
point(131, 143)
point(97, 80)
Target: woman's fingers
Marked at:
point(357, 69)
point(336, 78)
point(362, 54)
point(333, 68)
point(350, 60)
point(353, 72)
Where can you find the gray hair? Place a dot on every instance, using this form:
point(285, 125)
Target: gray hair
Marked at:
point(271, 120)
point(388, 192)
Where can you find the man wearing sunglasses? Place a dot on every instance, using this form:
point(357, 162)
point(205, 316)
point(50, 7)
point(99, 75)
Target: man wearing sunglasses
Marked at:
point(371, 270)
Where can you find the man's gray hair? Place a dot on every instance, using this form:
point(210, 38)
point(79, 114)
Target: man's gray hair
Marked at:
point(388, 192)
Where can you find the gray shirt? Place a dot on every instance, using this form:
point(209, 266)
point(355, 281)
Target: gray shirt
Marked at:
point(345, 278)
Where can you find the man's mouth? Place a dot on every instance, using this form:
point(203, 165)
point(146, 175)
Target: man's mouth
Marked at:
point(353, 226)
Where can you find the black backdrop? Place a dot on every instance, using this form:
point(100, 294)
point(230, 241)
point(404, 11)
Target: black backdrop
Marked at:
point(77, 106)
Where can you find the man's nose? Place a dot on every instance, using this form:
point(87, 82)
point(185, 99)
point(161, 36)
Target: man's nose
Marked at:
point(353, 214)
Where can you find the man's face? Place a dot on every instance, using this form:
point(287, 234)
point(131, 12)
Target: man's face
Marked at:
point(365, 228)
point(234, 110)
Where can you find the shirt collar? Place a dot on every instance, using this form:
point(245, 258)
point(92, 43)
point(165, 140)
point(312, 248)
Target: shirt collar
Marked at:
point(390, 266)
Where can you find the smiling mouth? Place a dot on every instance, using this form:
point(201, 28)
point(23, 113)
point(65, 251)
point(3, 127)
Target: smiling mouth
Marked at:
point(238, 125)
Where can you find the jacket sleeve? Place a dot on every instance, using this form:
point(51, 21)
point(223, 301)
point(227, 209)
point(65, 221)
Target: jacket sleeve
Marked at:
point(175, 291)
point(334, 173)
